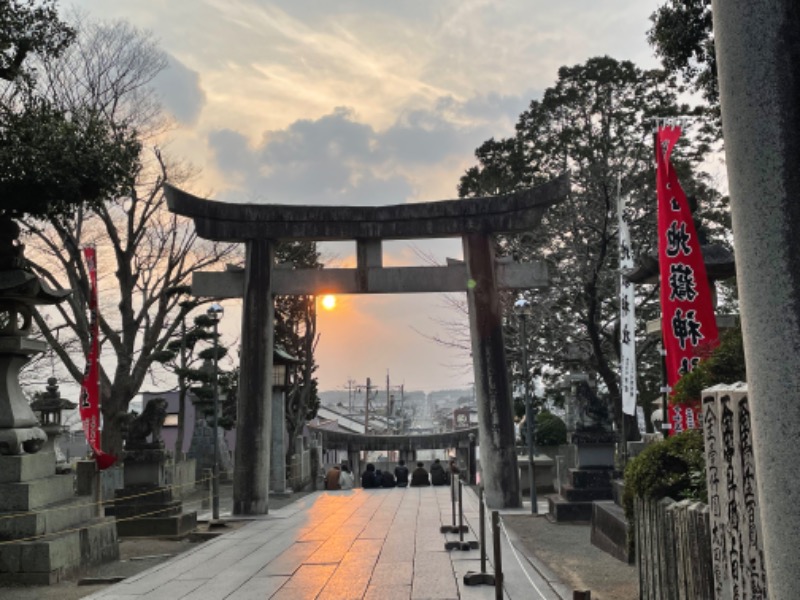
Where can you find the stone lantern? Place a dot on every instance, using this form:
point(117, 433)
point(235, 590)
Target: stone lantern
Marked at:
point(71, 538)
point(20, 292)
point(49, 407)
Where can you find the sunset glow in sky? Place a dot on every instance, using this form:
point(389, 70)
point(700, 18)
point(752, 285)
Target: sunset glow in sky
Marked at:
point(364, 102)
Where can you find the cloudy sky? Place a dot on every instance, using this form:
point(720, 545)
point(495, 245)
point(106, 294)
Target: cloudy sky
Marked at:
point(364, 103)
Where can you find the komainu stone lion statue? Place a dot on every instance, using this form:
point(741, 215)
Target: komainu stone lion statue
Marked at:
point(148, 423)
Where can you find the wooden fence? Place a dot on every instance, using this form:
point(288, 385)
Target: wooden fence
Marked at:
point(673, 550)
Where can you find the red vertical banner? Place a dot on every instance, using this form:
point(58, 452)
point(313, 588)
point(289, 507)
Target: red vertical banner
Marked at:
point(90, 387)
point(688, 324)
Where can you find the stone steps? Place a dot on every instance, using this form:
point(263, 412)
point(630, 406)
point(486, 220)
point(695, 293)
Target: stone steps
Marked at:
point(35, 494)
point(56, 558)
point(49, 519)
point(577, 494)
point(560, 509)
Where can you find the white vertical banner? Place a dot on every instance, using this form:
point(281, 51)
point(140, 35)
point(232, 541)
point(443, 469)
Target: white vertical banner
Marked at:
point(627, 320)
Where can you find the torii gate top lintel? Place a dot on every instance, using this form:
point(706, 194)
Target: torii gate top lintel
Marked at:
point(517, 211)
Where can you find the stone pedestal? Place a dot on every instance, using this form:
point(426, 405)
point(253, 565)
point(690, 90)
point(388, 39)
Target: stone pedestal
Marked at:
point(588, 480)
point(591, 456)
point(145, 506)
point(67, 534)
point(543, 474)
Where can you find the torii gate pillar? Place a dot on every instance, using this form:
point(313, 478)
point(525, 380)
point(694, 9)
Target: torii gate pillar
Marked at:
point(251, 474)
point(499, 474)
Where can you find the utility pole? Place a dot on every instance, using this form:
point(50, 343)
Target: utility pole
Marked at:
point(402, 409)
point(350, 383)
point(366, 408)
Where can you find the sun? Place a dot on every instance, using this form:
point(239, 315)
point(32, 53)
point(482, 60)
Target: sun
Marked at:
point(328, 302)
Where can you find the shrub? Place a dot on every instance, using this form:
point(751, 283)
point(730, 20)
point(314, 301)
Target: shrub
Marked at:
point(672, 468)
point(550, 429)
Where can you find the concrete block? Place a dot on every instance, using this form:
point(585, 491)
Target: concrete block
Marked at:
point(56, 518)
point(31, 495)
point(544, 472)
point(51, 554)
point(561, 510)
point(99, 544)
point(590, 478)
point(26, 579)
point(27, 467)
point(84, 475)
point(595, 455)
point(144, 474)
point(10, 559)
point(51, 560)
point(610, 531)
point(618, 490)
point(174, 526)
point(573, 494)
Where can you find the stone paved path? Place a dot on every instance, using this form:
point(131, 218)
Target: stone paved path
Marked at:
point(384, 544)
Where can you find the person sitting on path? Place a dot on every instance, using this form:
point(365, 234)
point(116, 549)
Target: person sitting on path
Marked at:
point(387, 479)
point(438, 474)
point(346, 479)
point(332, 478)
point(420, 476)
point(401, 473)
point(368, 479)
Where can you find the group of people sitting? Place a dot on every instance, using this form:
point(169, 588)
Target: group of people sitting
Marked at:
point(340, 478)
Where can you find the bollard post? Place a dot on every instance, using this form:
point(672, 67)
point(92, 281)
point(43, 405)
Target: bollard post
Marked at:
point(470, 577)
point(461, 544)
point(460, 515)
point(482, 530)
point(451, 528)
point(498, 557)
point(472, 544)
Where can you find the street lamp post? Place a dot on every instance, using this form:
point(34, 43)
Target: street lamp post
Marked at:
point(215, 312)
point(521, 307)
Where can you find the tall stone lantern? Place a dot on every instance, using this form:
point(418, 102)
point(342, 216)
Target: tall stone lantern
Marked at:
point(20, 292)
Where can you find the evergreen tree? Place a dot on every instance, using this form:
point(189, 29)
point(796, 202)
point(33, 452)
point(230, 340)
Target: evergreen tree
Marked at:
point(192, 364)
point(596, 122)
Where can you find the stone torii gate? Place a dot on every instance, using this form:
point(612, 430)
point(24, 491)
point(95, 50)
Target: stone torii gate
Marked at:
point(259, 227)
